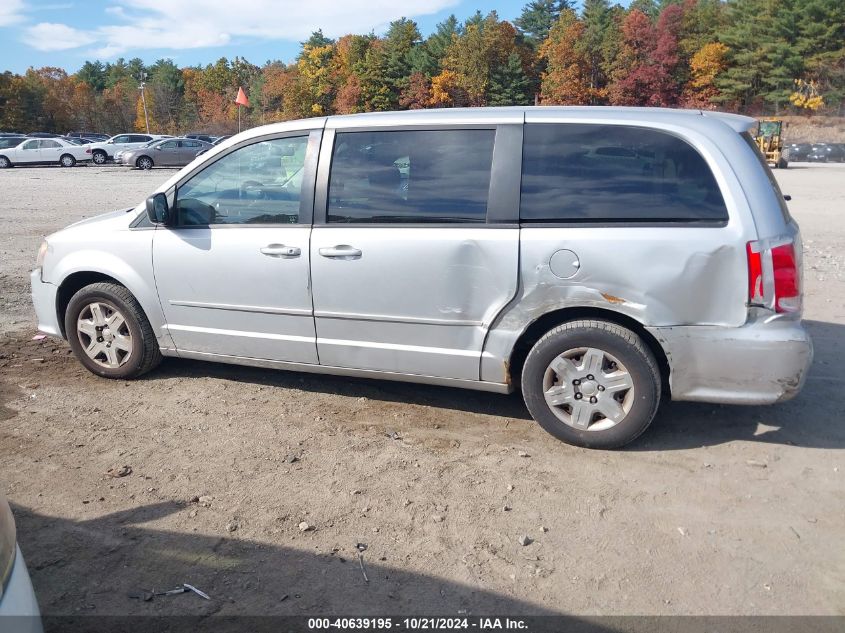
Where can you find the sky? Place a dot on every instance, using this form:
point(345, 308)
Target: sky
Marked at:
point(65, 34)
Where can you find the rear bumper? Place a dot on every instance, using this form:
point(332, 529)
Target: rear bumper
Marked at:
point(758, 363)
point(44, 300)
point(19, 611)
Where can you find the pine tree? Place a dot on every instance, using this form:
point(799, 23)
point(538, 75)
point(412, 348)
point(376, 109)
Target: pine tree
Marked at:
point(509, 85)
point(537, 18)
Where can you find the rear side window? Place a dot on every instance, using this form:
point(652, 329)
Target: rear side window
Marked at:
point(410, 176)
point(613, 173)
point(746, 136)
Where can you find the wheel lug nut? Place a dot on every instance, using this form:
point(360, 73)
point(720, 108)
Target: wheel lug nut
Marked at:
point(578, 396)
point(589, 376)
point(601, 388)
point(593, 400)
point(99, 339)
point(576, 382)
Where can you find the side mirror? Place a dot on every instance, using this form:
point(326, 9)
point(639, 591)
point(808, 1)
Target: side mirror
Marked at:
point(109, 142)
point(158, 211)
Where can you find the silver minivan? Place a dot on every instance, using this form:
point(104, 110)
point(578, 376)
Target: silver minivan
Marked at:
point(598, 259)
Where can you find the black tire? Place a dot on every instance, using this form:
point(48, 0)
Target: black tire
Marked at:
point(5, 163)
point(67, 160)
point(99, 157)
point(144, 162)
point(145, 354)
point(782, 163)
point(611, 339)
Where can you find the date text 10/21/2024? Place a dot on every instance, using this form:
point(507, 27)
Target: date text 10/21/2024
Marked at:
point(417, 624)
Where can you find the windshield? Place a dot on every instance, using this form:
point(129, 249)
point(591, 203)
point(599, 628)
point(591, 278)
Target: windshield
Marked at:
point(769, 128)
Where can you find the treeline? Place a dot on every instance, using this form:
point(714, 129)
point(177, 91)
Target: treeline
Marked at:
point(753, 56)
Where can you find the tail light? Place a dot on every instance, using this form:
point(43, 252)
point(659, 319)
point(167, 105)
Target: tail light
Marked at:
point(774, 276)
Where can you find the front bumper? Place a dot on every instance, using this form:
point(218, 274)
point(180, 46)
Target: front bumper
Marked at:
point(19, 611)
point(44, 300)
point(758, 363)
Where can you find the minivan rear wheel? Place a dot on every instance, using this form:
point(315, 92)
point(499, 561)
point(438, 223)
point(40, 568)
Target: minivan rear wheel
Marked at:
point(109, 332)
point(592, 383)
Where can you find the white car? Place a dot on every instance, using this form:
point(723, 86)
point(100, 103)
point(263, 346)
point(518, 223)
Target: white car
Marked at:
point(44, 151)
point(103, 152)
point(19, 611)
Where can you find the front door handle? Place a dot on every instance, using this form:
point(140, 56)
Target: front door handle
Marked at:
point(280, 250)
point(341, 251)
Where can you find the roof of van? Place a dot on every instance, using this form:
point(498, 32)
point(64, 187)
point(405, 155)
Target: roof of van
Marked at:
point(738, 122)
point(509, 114)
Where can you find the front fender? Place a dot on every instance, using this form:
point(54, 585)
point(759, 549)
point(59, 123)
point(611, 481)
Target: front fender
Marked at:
point(132, 268)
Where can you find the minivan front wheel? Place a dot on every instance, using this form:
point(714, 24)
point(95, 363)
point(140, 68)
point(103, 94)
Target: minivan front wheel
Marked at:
point(109, 332)
point(592, 383)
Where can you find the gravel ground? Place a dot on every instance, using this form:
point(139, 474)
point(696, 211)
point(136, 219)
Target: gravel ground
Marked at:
point(256, 486)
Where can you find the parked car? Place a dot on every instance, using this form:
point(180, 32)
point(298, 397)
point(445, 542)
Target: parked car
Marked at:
point(43, 135)
point(44, 151)
point(220, 139)
point(11, 141)
point(827, 153)
point(18, 604)
point(596, 258)
point(798, 152)
point(103, 152)
point(202, 137)
point(92, 136)
point(170, 152)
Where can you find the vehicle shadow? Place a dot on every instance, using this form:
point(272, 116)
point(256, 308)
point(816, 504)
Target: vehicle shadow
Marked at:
point(805, 421)
point(105, 565)
point(467, 400)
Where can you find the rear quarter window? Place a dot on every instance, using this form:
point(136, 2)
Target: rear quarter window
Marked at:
point(613, 173)
point(749, 140)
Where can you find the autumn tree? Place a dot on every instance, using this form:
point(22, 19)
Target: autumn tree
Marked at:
point(417, 93)
point(568, 78)
point(705, 66)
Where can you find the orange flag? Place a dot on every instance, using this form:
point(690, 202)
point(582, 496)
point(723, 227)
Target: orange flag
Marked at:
point(241, 98)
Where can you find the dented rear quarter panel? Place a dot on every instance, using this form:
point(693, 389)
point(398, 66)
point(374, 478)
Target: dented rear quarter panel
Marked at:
point(662, 276)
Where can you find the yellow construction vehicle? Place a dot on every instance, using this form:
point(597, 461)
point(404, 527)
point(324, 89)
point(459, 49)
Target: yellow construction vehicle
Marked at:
point(769, 139)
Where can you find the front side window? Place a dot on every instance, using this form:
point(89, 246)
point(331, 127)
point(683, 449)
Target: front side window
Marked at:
point(410, 176)
point(30, 145)
point(256, 184)
point(168, 145)
point(122, 139)
point(614, 173)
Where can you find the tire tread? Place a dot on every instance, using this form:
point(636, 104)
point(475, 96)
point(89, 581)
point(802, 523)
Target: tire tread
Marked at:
point(627, 336)
point(151, 355)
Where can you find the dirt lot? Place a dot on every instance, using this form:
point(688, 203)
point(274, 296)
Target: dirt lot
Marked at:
point(716, 510)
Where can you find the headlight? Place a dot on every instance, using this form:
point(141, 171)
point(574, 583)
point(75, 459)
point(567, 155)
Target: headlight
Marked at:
point(7, 543)
point(42, 253)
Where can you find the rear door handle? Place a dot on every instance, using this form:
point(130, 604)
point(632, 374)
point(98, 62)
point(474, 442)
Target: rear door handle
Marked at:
point(341, 251)
point(280, 250)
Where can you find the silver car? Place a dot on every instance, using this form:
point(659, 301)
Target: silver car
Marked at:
point(172, 152)
point(19, 611)
point(595, 258)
